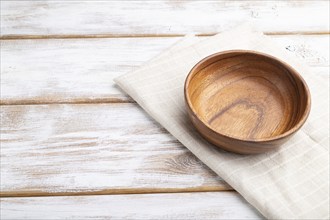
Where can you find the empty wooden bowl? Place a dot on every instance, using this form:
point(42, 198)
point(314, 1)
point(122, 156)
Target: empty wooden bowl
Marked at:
point(245, 101)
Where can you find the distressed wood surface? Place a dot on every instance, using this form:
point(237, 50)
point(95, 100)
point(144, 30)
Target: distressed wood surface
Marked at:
point(94, 149)
point(82, 70)
point(223, 205)
point(88, 149)
point(28, 19)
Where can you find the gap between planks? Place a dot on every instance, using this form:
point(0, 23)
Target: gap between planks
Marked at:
point(117, 192)
point(73, 36)
point(73, 101)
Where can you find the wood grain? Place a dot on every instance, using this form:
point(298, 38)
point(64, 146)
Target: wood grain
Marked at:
point(82, 70)
point(245, 101)
point(94, 149)
point(29, 19)
point(216, 205)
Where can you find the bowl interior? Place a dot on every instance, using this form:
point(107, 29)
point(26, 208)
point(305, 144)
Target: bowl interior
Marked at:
point(246, 95)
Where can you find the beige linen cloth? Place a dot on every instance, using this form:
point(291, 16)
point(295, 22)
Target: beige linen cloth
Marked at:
point(291, 182)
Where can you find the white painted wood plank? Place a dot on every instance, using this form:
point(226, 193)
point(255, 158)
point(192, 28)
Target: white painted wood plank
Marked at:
point(216, 205)
point(82, 70)
point(94, 149)
point(63, 70)
point(159, 17)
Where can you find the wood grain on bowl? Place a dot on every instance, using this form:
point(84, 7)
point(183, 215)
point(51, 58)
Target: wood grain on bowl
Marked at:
point(246, 102)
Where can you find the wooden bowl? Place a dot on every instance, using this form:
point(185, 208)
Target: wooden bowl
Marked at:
point(245, 101)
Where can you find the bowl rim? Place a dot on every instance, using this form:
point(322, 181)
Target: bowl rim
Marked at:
point(290, 69)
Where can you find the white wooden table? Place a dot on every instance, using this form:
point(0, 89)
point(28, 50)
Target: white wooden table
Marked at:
point(74, 146)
